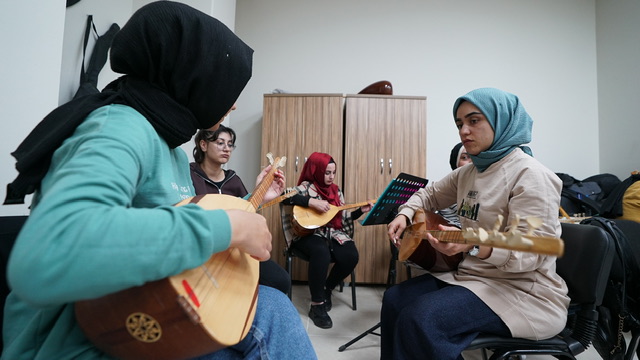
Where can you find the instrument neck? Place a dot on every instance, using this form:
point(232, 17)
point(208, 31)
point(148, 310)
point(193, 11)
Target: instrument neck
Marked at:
point(352, 206)
point(261, 190)
point(279, 199)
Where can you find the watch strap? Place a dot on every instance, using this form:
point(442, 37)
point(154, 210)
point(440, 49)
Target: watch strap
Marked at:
point(475, 250)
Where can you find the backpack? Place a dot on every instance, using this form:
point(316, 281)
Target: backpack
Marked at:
point(613, 205)
point(586, 196)
point(620, 309)
point(89, 76)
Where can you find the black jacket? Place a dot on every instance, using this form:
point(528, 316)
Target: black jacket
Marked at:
point(231, 185)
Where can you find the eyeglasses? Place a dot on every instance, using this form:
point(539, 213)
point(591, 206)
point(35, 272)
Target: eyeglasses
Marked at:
point(221, 145)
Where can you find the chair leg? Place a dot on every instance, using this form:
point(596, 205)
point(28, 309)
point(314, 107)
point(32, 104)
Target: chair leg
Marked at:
point(353, 291)
point(288, 266)
point(633, 345)
point(484, 351)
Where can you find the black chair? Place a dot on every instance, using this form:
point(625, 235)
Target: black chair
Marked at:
point(9, 228)
point(585, 267)
point(290, 253)
point(631, 229)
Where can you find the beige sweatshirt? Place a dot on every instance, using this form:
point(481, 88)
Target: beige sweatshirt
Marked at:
point(522, 288)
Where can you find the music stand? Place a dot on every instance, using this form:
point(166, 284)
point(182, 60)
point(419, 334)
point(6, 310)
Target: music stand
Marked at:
point(397, 193)
point(384, 211)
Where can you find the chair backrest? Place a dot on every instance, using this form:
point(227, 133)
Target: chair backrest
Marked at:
point(631, 229)
point(9, 228)
point(286, 214)
point(587, 261)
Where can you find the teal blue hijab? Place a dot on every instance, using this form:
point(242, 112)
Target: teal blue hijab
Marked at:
point(508, 118)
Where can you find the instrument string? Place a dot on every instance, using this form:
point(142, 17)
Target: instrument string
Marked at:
point(450, 236)
point(206, 282)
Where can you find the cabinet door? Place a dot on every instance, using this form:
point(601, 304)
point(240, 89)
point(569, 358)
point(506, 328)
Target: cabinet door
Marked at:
point(319, 128)
point(295, 125)
point(384, 136)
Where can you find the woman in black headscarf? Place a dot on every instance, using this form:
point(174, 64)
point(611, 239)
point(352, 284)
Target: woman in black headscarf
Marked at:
point(106, 170)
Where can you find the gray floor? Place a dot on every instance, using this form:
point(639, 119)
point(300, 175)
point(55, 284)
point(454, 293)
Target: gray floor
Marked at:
point(347, 324)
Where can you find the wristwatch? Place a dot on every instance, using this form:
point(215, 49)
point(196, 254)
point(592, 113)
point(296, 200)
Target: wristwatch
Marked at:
point(475, 250)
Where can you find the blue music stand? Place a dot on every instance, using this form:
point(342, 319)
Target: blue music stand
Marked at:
point(397, 193)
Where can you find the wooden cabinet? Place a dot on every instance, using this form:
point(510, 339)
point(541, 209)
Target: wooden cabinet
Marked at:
point(373, 138)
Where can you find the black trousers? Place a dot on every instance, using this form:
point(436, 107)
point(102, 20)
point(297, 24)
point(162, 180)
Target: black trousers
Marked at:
point(321, 253)
point(275, 276)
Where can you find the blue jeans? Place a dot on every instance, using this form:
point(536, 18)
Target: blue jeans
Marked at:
point(276, 333)
point(425, 318)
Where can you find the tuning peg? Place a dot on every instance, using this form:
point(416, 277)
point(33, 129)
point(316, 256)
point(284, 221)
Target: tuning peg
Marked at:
point(534, 223)
point(469, 234)
point(515, 222)
point(483, 235)
point(498, 223)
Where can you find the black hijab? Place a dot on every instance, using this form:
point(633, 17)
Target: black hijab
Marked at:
point(454, 158)
point(183, 70)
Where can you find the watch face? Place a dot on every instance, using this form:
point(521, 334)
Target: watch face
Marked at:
point(474, 251)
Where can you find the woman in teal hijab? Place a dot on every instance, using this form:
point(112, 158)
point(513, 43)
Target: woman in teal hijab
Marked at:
point(492, 290)
point(508, 118)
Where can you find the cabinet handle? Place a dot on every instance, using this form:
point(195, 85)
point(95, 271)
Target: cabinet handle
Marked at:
point(296, 164)
point(381, 166)
point(390, 166)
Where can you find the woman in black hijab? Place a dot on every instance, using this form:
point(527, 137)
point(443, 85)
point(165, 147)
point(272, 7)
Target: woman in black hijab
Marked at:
point(106, 170)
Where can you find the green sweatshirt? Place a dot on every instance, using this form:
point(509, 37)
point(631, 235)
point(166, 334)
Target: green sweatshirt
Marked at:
point(102, 221)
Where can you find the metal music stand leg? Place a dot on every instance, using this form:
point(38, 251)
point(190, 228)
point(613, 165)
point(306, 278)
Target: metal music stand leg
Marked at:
point(391, 280)
point(371, 331)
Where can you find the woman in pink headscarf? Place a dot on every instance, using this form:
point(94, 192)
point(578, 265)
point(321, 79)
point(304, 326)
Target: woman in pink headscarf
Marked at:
point(330, 243)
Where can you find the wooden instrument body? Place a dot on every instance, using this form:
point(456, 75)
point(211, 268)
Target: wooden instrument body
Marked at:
point(419, 251)
point(298, 230)
point(172, 321)
point(309, 218)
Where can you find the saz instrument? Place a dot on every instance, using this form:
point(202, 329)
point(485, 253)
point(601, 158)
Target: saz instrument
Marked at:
point(310, 219)
point(417, 249)
point(187, 315)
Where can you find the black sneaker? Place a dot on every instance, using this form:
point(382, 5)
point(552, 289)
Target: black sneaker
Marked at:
point(318, 314)
point(327, 299)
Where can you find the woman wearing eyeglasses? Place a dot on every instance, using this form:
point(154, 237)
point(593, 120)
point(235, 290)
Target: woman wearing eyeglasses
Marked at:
point(213, 149)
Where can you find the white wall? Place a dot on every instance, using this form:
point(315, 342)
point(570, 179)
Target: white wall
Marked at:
point(31, 44)
point(75, 18)
point(618, 42)
point(41, 59)
point(544, 51)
